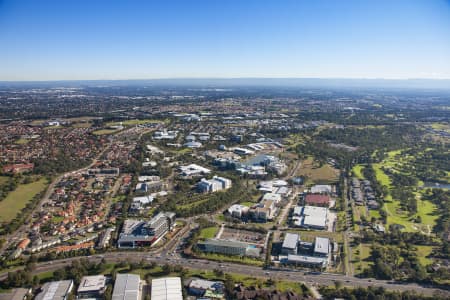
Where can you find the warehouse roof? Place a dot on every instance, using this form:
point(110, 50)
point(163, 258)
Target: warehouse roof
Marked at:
point(290, 240)
point(322, 245)
point(126, 287)
point(168, 288)
point(55, 290)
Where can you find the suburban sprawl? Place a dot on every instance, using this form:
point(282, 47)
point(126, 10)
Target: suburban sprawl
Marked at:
point(128, 190)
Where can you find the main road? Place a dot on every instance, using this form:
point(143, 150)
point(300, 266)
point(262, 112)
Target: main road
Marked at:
point(276, 274)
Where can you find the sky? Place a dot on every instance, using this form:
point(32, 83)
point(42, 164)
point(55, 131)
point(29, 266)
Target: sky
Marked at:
point(134, 39)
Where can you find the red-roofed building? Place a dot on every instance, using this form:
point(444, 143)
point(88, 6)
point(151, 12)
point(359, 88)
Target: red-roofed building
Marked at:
point(24, 244)
point(18, 168)
point(317, 200)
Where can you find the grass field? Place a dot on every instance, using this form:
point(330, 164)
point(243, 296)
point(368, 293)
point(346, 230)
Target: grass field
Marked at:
point(104, 131)
point(357, 171)
point(18, 199)
point(425, 209)
point(316, 174)
point(81, 125)
point(360, 256)
point(248, 203)
point(22, 141)
point(3, 179)
point(374, 214)
point(229, 258)
point(135, 122)
point(208, 233)
point(422, 253)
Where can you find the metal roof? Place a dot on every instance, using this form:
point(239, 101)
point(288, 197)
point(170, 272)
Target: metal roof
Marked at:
point(168, 288)
point(322, 245)
point(55, 290)
point(126, 287)
point(290, 240)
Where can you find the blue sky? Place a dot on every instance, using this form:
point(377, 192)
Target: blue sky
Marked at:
point(133, 39)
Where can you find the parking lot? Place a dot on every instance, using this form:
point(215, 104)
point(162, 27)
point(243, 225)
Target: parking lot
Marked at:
point(243, 236)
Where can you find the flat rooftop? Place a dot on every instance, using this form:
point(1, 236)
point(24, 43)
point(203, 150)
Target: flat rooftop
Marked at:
point(168, 288)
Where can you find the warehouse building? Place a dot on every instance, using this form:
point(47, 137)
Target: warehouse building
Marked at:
point(126, 287)
point(168, 288)
point(313, 217)
point(321, 247)
point(55, 290)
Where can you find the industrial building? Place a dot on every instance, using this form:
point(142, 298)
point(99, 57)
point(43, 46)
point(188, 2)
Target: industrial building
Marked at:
point(168, 288)
point(126, 287)
point(321, 189)
point(321, 247)
point(53, 290)
point(313, 217)
point(138, 233)
point(92, 287)
point(296, 252)
point(317, 200)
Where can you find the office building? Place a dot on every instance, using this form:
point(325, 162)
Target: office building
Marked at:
point(92, 287)
point(290, 243)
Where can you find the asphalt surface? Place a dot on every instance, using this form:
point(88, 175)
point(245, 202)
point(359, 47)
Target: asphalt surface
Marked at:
point(276, 274)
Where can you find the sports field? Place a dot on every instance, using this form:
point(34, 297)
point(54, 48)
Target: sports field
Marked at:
point(18, 199)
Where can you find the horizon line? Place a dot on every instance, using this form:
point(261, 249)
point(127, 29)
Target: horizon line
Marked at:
point(232, 78)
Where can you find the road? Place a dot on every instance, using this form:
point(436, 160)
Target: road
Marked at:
point(276, 274)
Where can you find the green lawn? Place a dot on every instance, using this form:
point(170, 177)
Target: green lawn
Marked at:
point(360, 255)
point(357, 171)
point(135, 122)
point(18, 199)
point(4, 179)
point(422, 253)
point(317, 174)
point(397, 216)
point(374, 213)
point(22, 141)
point(247, 203)
point(229, 258)
point(381, 176)
point(208, 233)
point(104, 131)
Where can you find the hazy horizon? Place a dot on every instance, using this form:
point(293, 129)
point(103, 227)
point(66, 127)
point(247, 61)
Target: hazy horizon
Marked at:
point(413, 83)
